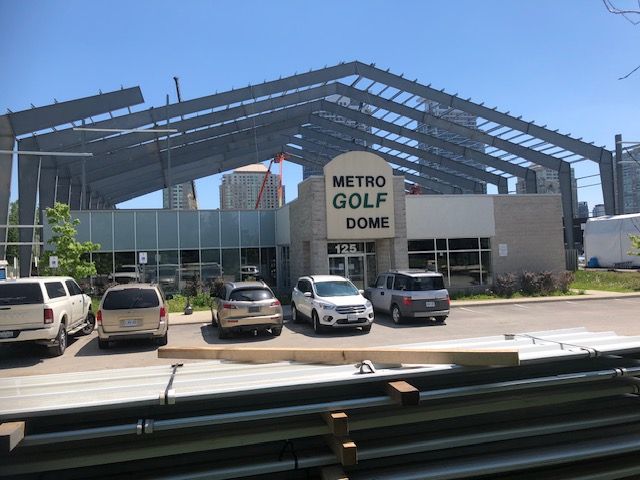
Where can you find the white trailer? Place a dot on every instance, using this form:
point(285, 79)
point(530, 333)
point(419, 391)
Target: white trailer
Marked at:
point(607, 239)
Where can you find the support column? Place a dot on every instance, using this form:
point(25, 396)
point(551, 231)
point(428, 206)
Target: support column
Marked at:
point(567, 203)
point(28, 176)
point(75, 196)
point(531, 181)
point(619, 176)
point(607, 182)
point(503, 186)
point(7, 142)
point(47, 187)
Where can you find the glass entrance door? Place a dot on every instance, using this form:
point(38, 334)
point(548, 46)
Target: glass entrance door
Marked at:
point(349, 266)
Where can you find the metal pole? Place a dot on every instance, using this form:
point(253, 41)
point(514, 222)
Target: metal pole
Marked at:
point(170, 183)
point(618, 177)
point(83, 203)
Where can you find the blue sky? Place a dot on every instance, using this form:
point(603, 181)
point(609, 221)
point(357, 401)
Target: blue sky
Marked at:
point(555, 62)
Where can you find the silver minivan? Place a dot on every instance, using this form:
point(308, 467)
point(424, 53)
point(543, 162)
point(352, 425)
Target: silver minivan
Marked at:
point(410, 294)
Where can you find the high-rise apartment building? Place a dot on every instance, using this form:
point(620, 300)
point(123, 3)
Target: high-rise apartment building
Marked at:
point(630, 180)
point(182, 195)
point(240, 189)
point(598, 210)
point(454, 116)
point(583, 210)
point(343, 102)
point(548, 181)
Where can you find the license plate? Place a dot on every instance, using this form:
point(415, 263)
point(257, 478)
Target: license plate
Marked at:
point(431, 304)
point(6, 334)
point(352, 318)
point(254, 309)
point(130, 322)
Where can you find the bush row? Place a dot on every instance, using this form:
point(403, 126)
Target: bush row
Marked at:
point(532, 283)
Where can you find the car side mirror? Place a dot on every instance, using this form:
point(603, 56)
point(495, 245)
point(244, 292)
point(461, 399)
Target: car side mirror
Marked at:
point(308, 294)
point(361, 292)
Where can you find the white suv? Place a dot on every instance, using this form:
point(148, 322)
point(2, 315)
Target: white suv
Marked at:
point(330, 301)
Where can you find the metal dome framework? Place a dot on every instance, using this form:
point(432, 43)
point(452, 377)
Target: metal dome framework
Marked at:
point(295, 115)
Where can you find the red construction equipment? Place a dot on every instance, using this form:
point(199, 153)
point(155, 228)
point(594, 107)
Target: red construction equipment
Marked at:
point(278, 158)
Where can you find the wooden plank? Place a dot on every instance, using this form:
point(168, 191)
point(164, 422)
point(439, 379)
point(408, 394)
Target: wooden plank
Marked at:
point(338, 423)
point(344, 449)
point(343, 356)
point(334, 472)
point(403, 393)
point(11, 434)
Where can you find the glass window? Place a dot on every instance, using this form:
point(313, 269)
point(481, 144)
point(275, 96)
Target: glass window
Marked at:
point(371, 247)
point(381, 281)
point(101, 230)
point(268, 269)
point(104, 263)
point(424, 284)
point(189, 257)
point(372, 269)
point(421, 245)
point(123, 230)
point(390, 282)
point(250, 256)
point(442, 266)
point(464, 268)
point(336, 289)
point(168, 278)
point(249, 228)
point(209, 229)
point(55, 289)
point(423, 261)
point(268, 227)
point(146, 231)
point(130, 298)
point(487, 271)
point(484, 243)
point(167, 230)
point(401, 283)
point(188, 229)
point(168, 257)
point(73, 288)
point(229, 223)
point(251, 294)
point(231, 263)
point(125, 258)
point(20, 293)
point(441, 244)
point(211, 255)
point(463, 244)
point(301, 286)
point(83, 228)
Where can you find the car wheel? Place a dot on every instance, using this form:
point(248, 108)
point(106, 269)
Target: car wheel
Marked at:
point(162, 340)
point(366, 329)
point(440, 320)
point(90, 326)
point(222, 333)
point(276, 331)
point(295, 316)
point(396, 316)
point(103, 344)
point(61, 342)
point(316, 322)
point(214, 318)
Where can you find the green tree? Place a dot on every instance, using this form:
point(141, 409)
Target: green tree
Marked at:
point(635, 245)
point(69, 251)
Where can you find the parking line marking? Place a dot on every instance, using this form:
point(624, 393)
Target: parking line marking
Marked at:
point(624, 300)
point(572, 303)
point(467, 309)
point(521, 306)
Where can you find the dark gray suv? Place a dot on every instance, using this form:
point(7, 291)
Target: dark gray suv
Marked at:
point(410, 294)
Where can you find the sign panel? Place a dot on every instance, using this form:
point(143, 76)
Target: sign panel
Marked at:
point(503, 251)
point(53, 261)
point(359, 196)
point(142, 258)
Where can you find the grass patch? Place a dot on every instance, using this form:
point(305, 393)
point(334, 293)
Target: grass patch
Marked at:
point(176, 304)
point(493, 296)
point(623, 282)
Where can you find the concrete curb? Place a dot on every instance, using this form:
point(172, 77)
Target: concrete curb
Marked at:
point(563, 298)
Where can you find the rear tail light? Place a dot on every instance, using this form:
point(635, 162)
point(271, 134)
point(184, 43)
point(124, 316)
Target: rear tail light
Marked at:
point(275, 303)
point(448, 301)
point(163, 312)
point(48, 315)
point(406, 300)
point(99, 317)
point(229, 306)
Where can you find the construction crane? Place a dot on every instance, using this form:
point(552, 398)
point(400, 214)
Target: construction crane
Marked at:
point(278, 158)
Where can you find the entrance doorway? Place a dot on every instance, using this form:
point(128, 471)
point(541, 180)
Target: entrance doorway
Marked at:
point(354, 260)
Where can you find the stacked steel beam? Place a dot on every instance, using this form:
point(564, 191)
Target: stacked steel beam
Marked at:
point(571, 410)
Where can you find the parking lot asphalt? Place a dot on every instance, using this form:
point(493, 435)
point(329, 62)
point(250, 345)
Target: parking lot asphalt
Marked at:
point(615, 313)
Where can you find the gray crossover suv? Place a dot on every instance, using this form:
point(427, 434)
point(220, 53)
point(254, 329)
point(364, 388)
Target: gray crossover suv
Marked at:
point(410, 294)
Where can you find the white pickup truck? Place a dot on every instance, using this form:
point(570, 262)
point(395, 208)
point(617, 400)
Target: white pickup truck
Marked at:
point(44, 310)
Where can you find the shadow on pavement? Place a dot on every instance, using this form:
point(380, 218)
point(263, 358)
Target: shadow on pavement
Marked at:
point(305, 328)
point(210, 335)
point(21, 355)
point(90, 349)
point(384, 319)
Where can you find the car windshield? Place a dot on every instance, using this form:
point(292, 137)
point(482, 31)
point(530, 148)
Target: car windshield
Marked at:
point(421, 284)
point(130, 298)
point(20, 294)
point(250, 295)
point(336, 288)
